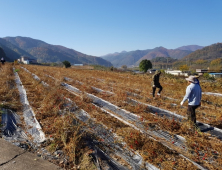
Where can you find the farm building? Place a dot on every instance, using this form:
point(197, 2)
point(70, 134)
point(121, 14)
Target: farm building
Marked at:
point(201, 71)
point(216, 75)
point(177, 72)
point(77, 64)
point(151, 71)
point(27, 60)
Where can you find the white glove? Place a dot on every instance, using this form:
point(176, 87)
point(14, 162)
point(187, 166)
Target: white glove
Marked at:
point(153, 85)
point(181, 103)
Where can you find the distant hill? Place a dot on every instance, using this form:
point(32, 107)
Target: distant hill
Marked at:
point(201, 58)
point(211, 52)
point(45, 52)
point(134, 57)
point(163, 52)
point(125, 58)
point(190, 47)
point(2, 54)
point(12, 51)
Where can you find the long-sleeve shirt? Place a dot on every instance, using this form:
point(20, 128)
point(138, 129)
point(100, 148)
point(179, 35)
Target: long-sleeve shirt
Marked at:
point(156, 79)
point(193, 94)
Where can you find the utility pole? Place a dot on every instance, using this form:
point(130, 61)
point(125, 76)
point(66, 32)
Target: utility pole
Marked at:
point(167, 62)
point(154, 62)
point(188, 64)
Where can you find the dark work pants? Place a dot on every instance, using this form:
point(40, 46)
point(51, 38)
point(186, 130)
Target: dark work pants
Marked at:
point(191, 113)
point(154, 89)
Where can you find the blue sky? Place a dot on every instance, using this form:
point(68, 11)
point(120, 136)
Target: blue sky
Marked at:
point(99, 27)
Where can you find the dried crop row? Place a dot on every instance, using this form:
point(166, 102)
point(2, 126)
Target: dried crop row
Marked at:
point(215, 132)
point(170, 80)
point(114, 126)
point(167, 79)
point(9, 94)
point(81, 104)
point(210, 117)
point(8, 91)
point(206, 110)
point(115, 79)
point(182, 129)
point(86, 108)
point(205, 113)
point(45, 103)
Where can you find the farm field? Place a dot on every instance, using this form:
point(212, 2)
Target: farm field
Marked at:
point(162, 142)
point(139, 85)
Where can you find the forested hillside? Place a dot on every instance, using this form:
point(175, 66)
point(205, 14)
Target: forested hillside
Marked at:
point(163, 52)
point(211, 52)
point(12, 51)
point(45, 52)
point(135, 57)
point(203, 58)
point(125, 58)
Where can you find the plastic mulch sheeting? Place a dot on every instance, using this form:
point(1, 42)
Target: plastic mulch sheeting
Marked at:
point(32, 125)
point(162, 112)
point(111, 146)
point(214, 94)
point(10, 129)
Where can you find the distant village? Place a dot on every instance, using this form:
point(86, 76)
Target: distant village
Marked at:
point(200, 72)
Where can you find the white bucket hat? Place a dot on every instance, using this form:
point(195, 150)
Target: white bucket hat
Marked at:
point(191, 79)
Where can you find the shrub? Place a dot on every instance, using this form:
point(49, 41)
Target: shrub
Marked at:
point(99, 67)
point(145, 65)
point(162, 70)
point(184, 67)
point(208, 77)
point(66, 64)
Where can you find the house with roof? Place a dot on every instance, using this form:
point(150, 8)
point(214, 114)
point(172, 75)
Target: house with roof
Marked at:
point(27, 60)
point(77, 64)
point(216, 75)
point(178, 72)
point(201, 71)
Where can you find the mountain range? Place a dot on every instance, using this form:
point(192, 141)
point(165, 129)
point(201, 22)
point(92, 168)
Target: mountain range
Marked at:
point(135, 57)
point(15, 47)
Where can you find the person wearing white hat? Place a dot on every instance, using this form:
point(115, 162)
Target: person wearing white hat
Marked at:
point(193, 95)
